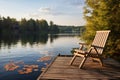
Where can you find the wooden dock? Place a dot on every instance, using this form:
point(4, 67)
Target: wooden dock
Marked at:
point(60, 69)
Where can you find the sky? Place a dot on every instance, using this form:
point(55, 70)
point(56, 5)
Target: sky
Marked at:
point(61, 12)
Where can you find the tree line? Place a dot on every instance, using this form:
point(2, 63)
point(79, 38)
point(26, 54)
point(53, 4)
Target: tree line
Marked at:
point(10, 26)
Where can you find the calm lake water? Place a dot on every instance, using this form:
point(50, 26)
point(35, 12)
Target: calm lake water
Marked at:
point(29, 51)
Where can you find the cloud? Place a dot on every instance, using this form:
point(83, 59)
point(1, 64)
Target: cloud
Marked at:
point(50, 11)
point(60, 10)
point(44, 10)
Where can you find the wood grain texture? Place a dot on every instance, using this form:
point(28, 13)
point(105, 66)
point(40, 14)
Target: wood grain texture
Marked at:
point(60, 69)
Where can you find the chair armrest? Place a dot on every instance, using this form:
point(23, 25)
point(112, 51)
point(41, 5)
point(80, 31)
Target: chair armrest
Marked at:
point(82, 43)
point(79, 51)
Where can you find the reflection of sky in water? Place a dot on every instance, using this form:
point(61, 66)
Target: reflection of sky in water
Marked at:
point(29, 54)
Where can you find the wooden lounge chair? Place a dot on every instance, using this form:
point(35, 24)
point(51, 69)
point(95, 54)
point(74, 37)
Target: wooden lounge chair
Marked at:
point(96, 48)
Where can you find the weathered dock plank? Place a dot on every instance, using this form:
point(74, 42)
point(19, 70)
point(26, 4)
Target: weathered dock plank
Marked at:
point(60, 69)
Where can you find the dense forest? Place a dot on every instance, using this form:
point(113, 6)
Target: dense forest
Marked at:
point(10, 26)
point(103, 15)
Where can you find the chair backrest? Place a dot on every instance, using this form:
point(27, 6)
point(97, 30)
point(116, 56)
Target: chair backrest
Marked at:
point(100, 40)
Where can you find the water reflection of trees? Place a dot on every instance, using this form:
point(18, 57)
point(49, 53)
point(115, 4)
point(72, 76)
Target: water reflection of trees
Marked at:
point(31, 39)
point(52, 37)
point(10, 40)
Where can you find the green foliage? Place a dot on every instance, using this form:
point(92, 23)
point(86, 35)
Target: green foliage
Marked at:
point(70, 29)
point(8, 26)
point(103, 15)
point(53, 29)
point(11, 27)
point(33, 26)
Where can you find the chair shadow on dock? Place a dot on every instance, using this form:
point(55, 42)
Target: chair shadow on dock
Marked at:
point(59, 69)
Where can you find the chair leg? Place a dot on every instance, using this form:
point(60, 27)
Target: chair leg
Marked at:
point(101, 61)
point(72, 59)
point(82, 63)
